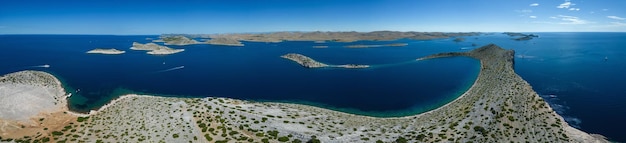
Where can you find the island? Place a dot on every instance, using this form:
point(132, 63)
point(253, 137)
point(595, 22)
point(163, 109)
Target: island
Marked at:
point(310, 63)
point(320, 46)
point(304, 60)
point(106, 51)
point(374, 46)
point(521, 36)
point(499, 107)
point(323, 36)
point(457, 40)
point(224, 41)
point(178, 40)
point(155, 49)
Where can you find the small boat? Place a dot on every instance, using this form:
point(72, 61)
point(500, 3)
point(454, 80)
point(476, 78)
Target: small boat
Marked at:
point(69, 95)
point(552, 96)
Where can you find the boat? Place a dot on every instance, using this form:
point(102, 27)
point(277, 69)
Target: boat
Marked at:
point(552, 96)
point(69, 95)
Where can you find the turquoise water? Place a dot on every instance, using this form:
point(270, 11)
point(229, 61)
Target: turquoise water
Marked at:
point(569, 70)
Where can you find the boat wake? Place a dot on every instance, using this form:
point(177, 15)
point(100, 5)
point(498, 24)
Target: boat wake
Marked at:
point(170, 69)
point(40, 66)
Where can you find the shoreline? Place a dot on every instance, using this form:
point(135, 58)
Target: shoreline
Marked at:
point(498, 104)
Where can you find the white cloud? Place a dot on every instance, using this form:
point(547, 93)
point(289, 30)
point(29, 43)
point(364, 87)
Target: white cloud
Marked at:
point(574, 9)
point(534, 4)
point(571, 20)
point(532, 16)
point(605, 9)
point(566, 4)
point(618, 24)
point(525, 11)
point(616, 17)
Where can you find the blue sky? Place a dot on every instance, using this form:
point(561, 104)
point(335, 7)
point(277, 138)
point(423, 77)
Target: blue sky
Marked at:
point(237, 16)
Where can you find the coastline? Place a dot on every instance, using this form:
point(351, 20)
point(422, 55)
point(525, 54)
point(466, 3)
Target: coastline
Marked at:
point(498, 103)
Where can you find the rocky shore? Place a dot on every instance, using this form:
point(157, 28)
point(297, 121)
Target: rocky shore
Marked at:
point(499, 107)
point(106, 51)
point(155, 49)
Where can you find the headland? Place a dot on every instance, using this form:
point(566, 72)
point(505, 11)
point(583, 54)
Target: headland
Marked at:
point(499, 107)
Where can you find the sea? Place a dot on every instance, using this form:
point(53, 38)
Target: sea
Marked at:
point(579, 74)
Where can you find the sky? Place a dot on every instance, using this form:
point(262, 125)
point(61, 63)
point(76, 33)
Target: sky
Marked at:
point(138, 17)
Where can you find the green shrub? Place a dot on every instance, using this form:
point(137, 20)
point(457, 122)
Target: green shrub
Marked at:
point(81, 119)
point(57, 133)
point(283, 139)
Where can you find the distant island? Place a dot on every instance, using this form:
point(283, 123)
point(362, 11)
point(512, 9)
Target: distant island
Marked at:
point(374, 46)
point(320, 46)
point(106, 51)
point(233, 39)
point(155, 49)
point(224, 41)
point(178, 40)
point(310, 63)
point(521, 36)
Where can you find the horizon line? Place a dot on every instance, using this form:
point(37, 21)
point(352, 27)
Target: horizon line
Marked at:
point(304, 32)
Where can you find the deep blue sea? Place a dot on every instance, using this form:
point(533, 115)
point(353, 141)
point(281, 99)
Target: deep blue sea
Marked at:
point(579, 74)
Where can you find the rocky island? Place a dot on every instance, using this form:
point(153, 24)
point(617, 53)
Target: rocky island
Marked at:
point(319, 36)
point(521, 36)
point(499, 107)
point(224, 41)
point(374, 46)
point(310, 63)
point(178, 40)
point(304, 60)
point(106, 51)
point(155, 49)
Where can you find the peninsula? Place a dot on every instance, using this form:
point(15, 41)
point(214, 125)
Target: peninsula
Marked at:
point(499, 107)
point(310, 63)
point(106, 51)
point(155, 49)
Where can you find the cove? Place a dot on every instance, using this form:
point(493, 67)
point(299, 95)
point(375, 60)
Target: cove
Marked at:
point(396, 86)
